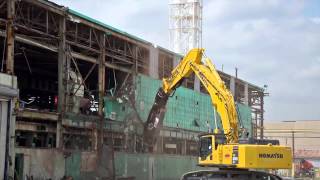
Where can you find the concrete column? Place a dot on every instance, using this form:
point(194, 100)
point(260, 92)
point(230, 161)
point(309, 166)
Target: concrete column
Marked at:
point(154, 62)
point(246, 94)
point(10, 37)
point(184, 152)
point(233, 86)
point(176, 61)
point(12, 132)
point(61, 79)
point(61, 65)
point(8, 94)
point(3, 138)
point(101, 74)
point(196, 84)
point(101, 79)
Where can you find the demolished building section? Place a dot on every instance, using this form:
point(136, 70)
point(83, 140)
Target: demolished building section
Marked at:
point(79, 102)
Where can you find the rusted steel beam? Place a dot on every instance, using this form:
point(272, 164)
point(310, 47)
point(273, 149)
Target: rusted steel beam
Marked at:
point(94, 60)
point(61, 65)
point(101, 86)
point(47, 5)
point(101, 76)
point(26, 40)
point(2, 4)
point(83, 47)
point(37, 115)
point(28, 126)
point(77, 19)
point(10, 37)
point(60, 10)
point(61, 79)
point(84, 57)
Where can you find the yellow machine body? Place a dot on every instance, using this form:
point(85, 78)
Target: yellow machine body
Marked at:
point(227, 146)
point(246, 156)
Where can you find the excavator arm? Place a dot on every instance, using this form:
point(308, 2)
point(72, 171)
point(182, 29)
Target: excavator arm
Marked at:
point(218, 149)
point(157, 112)
point(221, 97)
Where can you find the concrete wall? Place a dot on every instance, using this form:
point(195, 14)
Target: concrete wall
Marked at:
point(3, 135)
point(51, 163)
point(153, 166)
point(42, 163)
point(8, 92)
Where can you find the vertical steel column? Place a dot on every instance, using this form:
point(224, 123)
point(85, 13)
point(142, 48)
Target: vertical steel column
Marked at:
point(154, 62)
point(101, 82)
point(136, 57)
point(233, 87)
point(10, 37)
point(293, 154)
point(196, 84)
point(293, 145)
point(61, 79)
point(262, 114)
point(102, 73)
point(246, 94)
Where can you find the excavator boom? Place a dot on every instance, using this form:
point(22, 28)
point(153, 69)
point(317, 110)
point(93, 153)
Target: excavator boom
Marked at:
point(221, 148)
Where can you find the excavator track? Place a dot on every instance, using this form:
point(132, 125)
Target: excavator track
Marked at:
point(230, 174)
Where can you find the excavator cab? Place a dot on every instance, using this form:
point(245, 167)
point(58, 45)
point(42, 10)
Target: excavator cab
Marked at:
point(209, 144)
point(205, 147)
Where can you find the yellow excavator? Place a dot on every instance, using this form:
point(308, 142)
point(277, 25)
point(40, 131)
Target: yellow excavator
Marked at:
point(228, 147)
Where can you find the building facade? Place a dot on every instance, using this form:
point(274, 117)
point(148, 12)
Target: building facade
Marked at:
point(68, 66)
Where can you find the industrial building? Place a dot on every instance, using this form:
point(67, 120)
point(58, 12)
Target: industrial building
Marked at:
point(85, 89)
point(303, 137)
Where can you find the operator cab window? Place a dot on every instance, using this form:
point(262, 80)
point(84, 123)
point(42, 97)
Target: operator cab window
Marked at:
point(205, 146)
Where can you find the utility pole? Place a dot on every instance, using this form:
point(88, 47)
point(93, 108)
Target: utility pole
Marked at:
point(293, 173)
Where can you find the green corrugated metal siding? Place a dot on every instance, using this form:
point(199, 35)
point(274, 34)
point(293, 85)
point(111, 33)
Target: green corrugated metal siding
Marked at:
point(153, 167)
point(140, 166)
point(173, 167)
point(244, 115)
point(73, 163)
point(121, 110)
point(187, 109)
point(183, 109)
point(136, 165)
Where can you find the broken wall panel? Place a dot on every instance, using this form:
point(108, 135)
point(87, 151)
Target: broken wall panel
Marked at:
point(165, 65)
point(186, 109)
point(41, 163)
point(36, 70)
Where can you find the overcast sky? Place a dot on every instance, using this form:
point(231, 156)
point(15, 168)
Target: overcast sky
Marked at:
point(273, 42)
